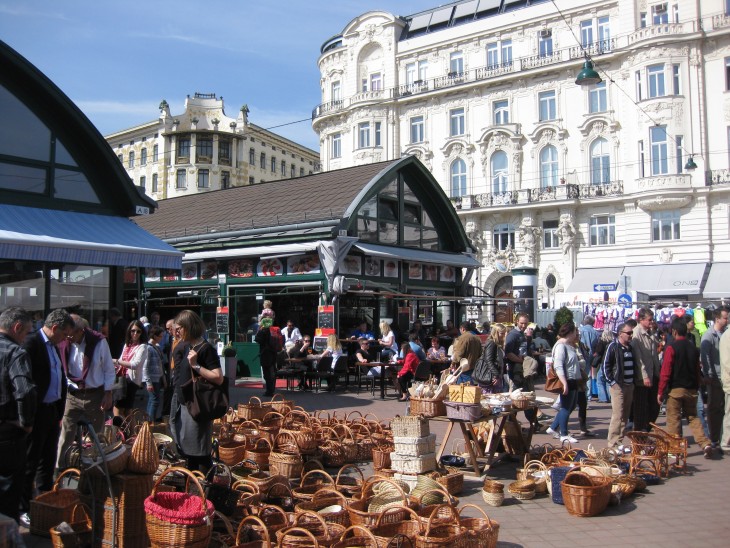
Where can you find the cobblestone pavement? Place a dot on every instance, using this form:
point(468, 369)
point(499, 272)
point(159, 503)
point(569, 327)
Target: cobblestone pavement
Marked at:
point(685, 510)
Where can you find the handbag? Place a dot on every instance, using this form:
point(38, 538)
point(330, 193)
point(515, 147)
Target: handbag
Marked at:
point(553, 384)
point(482, 372)
point(205, 401)
point(218, 489)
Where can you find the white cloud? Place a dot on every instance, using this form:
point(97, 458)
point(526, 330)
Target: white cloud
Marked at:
point(23, 11)
point(140, 108)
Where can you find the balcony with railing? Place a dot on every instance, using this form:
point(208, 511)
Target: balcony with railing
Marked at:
point(494, 199)
point(328, 108)
point(372, 95)
point(658, 31)
point(543, 60)
point(596, 48)
point(613, 188)
point(717, 177)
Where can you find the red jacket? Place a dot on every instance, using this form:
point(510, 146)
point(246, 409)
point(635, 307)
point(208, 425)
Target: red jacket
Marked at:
point(411, 363)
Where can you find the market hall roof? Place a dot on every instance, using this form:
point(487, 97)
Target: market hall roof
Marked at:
point(309, 208)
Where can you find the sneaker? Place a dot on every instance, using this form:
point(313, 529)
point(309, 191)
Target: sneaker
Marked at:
point(25, 520)
point(552, 433)
point(586, 434)
point(568, 438)
point(708, 451)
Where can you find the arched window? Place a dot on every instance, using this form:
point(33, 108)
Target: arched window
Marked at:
point(500, 178)
point(548, 167)
point(600, 162)
point(458, 178)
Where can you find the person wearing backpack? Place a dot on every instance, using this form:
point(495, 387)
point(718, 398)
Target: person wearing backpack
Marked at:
point(269, 346)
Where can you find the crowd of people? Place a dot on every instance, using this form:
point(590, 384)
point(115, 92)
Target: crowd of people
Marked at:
point(64, 373)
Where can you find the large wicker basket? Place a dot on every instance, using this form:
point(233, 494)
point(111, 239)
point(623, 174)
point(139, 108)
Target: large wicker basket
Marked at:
point(585, 495)
point(427, 407)
point(49, 509)
point(411, 426)
point(484, 532)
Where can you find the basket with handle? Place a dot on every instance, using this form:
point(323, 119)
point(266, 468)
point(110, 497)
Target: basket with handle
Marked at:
point(245, 533)
point(279, 404)
point(437, 534)
point(246, 432)
point(270, 426)
point(297, 537)
point(285, 459)
point(483, 532)
point(311, 482)
point(362, 511)
point(144, 456)
point(385, 529)
point(81, 533)
point(356, 536)
point(273, 517)
point(326, 533)
point(333, 454)
point(231, 452)
point(49, 509)
point(253, 410)
point(328, 503)
point(536, 471)
point(363, 441)
point(259, 453)
point(522, 489)
point(381, 456)
point(349, 443)
point(427, 407)
point(350, 485)
point(451, 479)
point(299, 425)
point(585, 495)
point(178, 519)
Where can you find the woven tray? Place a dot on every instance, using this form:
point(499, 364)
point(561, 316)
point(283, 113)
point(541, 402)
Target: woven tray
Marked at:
point(463, 411)
point(415, 447)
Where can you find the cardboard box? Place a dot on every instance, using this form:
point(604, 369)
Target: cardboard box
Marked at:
point(464, 393)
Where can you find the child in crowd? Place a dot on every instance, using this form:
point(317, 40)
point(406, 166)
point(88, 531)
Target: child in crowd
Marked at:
point(267, 312)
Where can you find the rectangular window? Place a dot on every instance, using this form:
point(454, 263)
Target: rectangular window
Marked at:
point(143, 157)
point(456, 64)
point(181, 181)
point(155, 153)
point(143, 182)
point(203, 178)
point(675, 13)
point(655, 80)
point(283, 166)
point(225, 179)
point(597, 98)
point(154, 183)
point(548, 110)
point(503, 237)
point(665, 225)
point(293, 171)
point(604, 34)
point(659, 160)
point(545, 43)
point(262, 160)
point(251, 180)
point(417, 129)
point(678, 141)
point(411, 73)
point(492, 55)
point(642, 172)
point(422, 70)
point(501, 112)
point(204, 150)
point(642, 20)
point(301, 172)
point(224, 150)
point(251, 157)
point(586, 33)
point(377, 134)
point(337, 145)
point(676, 88)
point(550, 234)
point(376, 81)
point(639, 95)
point(659, 14)
point(273, 164)
point(603, 230)
point(363, 134)
point(131, 159)
point(506, 52)
point(456, 117)
point(336, 91)
point(183, 149)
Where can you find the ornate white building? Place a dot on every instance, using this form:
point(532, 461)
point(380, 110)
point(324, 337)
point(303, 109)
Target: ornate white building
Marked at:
point(203, 149)
point(586, 184)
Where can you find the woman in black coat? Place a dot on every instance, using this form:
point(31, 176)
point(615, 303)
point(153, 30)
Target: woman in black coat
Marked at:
point(489, 370)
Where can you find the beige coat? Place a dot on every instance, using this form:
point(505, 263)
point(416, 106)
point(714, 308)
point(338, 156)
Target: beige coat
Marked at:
point(646, 359)
point(725, 361)
point(467, 346)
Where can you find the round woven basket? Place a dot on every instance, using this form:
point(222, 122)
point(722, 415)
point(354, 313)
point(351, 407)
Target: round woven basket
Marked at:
point(493, 499)
point(492, 486)
point(522, 489)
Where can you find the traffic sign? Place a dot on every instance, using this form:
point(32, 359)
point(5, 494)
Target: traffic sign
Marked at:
point(625, 300)
point(604, 287)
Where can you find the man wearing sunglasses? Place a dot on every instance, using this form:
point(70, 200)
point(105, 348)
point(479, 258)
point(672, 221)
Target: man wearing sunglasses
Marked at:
point(618, 368)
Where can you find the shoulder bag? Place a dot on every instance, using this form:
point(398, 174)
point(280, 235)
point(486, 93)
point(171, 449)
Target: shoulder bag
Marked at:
point(205, 400)
point(553, 384)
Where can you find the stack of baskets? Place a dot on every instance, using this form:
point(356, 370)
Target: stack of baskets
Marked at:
point(415, 446)
point(522, 489)
point(493, 492)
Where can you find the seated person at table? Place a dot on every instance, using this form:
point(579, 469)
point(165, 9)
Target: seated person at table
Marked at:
point(291, 333)
point(415, 345)
point(406, 374)
point(420, 331)
point(436, 351)
point(362, 332)
point(304, 347)
point(365, 355)
point(390, 346)
point(450, 330)
point(334, 349)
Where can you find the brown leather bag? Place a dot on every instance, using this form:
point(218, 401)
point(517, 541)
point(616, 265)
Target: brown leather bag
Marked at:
point(553, 384)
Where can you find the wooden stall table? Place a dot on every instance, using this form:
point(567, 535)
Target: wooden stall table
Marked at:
point(384, 368)
point(489, 454)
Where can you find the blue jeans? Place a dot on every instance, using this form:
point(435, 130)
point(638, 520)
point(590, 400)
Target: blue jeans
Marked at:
point(567, 404)
point(153, 400)
point(701, 413)
point(604, 396)
point(465, 378)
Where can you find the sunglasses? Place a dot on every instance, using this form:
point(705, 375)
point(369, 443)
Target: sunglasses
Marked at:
point(627, 332)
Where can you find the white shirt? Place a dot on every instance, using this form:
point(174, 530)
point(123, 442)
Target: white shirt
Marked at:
point(291, 335)
point(101, 367)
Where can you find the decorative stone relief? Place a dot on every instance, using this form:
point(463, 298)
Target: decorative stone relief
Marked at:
point(566, 233)
point(500, 260)
point(665, 255)
point(663, 203)
point(473, 232)
point(528, 236)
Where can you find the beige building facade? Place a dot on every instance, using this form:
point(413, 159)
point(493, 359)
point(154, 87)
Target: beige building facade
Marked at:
point(587, 185)
point(203, 149)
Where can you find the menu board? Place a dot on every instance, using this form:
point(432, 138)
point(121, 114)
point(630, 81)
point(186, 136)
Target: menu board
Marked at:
point(326, 316)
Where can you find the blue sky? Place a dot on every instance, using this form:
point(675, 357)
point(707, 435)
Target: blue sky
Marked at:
point(117, 60)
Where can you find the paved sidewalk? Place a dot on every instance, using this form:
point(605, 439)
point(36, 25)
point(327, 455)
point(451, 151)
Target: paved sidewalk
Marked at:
point(683, 511)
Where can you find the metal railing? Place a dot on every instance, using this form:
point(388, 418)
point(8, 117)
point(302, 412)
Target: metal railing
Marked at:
point(717, 177)
point(613, 188)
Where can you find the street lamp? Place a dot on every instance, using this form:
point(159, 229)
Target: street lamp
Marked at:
point(588, 76)
point(690, 165)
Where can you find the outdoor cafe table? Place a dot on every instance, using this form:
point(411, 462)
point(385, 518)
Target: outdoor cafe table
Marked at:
point(384, 367)
point(490, 453)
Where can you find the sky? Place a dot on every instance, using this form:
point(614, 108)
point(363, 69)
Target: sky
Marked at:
point(118, 60)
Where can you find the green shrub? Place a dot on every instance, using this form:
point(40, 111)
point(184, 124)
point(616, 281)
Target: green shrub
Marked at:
point(562, 316)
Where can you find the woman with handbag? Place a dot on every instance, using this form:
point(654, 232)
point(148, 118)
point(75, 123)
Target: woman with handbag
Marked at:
point(130, 366)
point(568, 369)
point(489, 370)
point(193, 356)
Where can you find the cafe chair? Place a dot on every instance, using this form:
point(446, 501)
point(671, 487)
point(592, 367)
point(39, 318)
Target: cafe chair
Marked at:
point(423, 371)
point(323, 365)
point(333, 375)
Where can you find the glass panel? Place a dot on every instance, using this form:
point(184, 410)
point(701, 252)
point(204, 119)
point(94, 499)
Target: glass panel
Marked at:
point(63, 156)
point(411, 214)
point(411, 236)
point(22, 133)
point(388, 210)
point(22, 178)
point(366, 230)
point(83, 290)
point(388, 233)
point(23, 285)
point(426, 219)
point(370, 208)
point(429, 239)
point(73, 185)
point(391, 190)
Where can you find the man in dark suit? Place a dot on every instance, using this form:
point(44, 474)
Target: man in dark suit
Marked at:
point(50, 382)
point(117, 332)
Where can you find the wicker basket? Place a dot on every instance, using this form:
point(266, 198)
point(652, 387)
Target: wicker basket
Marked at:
point(260, 531)
point(585, 495)
point(361, 512)
point(327, 499)
point(522, 489)
point(414, 446)
point(297, 537)
point(463, 411)
point(326, 533)
point(464, 393)
point(356, 536)
point(279, 404)
point(81, 525)
point(536, 471)
point(163, 533)
point(413, 465)
point(381, 456)
point(253, 410)
point(523, 403)
point(347, 484)
point(116, 457)
point(452, 481)
point(493, 499)
point(311, 482)
point(438, 534)
point(259, 453)
point(411, 426)
point(493, 486)
point(285, 464)
point(49, 509)
point(385, 529)
point(273, 517)
point(484, 532)
point(427, 407)
point(144, 457)
point(231, 452)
